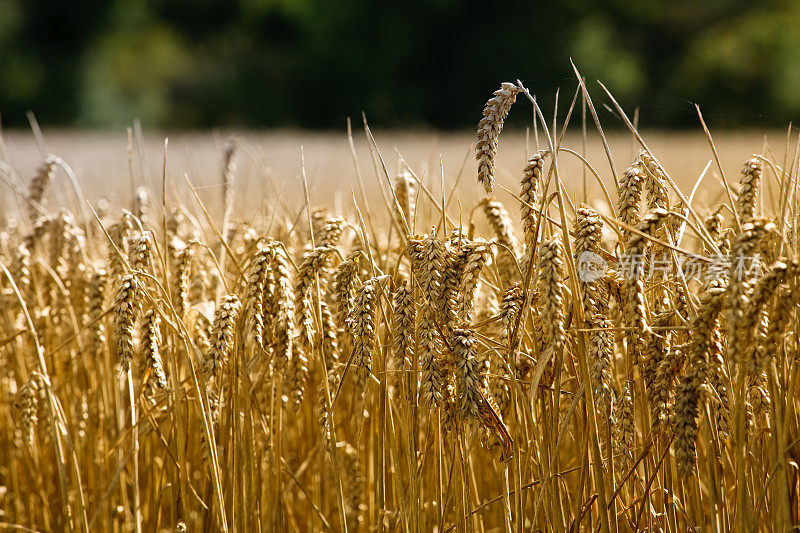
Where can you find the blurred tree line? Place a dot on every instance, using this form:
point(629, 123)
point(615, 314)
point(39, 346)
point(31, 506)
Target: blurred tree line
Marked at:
point(311, 63)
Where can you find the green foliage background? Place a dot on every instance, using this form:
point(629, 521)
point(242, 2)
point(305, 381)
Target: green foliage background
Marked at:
point(311, 63)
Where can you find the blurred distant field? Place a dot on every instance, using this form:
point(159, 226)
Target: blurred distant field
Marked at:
point(269, 162)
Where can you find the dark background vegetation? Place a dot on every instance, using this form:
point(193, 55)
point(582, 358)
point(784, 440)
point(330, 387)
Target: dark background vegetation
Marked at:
point(312, 63)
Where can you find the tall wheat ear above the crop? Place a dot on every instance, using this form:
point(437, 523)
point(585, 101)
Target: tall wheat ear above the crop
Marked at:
point(489, 128)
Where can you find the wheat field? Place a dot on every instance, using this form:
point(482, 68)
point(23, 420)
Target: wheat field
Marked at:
point(545, 330)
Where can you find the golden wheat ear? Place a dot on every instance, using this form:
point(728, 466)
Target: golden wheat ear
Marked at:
point(489, 128)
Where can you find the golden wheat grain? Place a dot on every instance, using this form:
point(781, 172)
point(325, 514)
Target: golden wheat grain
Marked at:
point(744, 249)
point(432, 378)
point(624, 428)
point(551, 287)
point(469, 368)
point(27, 403)
point(684, 423)
point(363, 319)
point(151, 351)
point(530, 187)
point(748, 189)
point(344, 287)
point(182, 278)
point(280, 306)
point(630, 193)
point(223, 331)
point(126, 308)
point(475, 255)
point(403, 317)
point(141, 205)
point(405, 190)
point(38, 187)
point(489, 128)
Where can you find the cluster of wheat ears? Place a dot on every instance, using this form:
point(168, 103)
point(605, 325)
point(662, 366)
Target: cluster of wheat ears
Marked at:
point(164, 368)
